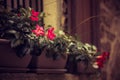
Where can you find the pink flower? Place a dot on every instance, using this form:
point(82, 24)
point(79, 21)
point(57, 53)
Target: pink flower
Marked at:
point(105, 54)
point(39, 31)
point(99, 64)
point(50, 33)
point(100, 60)
point(34, 18)
point(34, 13)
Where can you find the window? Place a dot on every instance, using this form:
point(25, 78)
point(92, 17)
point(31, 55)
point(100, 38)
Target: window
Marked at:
point(13, 4)
point(76, 13)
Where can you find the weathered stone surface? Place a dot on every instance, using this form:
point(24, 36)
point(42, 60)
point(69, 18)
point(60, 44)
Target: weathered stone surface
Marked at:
point(106, 46)
point(110, 36)
point(110, 39)
point(113, 71)
point(116, 26)
point(106, 21)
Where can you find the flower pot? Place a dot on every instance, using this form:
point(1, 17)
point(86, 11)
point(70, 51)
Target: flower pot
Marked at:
point(9, 59)
point(43, 62)
point(84, 68)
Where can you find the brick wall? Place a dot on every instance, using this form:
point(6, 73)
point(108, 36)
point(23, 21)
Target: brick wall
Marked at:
point(110, 35)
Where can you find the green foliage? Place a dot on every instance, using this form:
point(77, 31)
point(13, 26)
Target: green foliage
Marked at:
point(18, 31)
point(18, 28)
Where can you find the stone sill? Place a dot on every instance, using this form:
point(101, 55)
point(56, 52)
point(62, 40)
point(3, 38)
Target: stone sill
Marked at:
point(26, 70)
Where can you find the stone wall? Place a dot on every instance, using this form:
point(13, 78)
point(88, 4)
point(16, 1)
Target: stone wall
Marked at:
point(53, 10)
point(110, 35)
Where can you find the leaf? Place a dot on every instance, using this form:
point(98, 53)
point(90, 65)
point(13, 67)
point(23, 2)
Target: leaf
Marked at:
point(15, 43)
point(42, 14)
point(11, 31)
point(26, 50)
point(21, 50)
point(14, 33)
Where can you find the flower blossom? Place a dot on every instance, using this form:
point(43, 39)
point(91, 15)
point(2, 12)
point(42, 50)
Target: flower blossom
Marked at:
point(98, 65)
point(34, 15)
point(34, 18)
point(39, 31)
point(50, 33)
point(100, 60)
